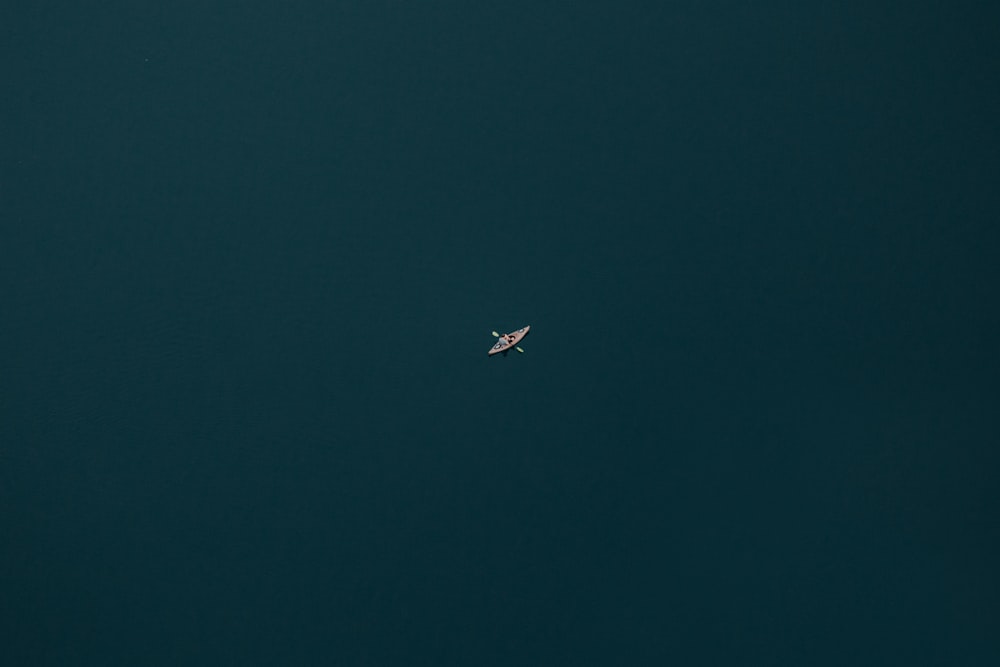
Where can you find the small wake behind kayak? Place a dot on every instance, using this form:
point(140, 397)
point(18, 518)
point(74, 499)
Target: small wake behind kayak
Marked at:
point(509, 340)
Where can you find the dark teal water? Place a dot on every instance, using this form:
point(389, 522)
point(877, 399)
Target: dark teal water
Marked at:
point(252, 255)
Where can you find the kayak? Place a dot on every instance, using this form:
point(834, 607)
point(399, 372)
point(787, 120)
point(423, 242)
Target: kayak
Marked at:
point(507, 341)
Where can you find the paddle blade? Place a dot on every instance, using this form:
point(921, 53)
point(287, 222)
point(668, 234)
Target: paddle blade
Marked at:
point(518, 348)
point(495, 334)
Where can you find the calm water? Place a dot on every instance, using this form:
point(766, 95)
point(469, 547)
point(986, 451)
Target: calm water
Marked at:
point(252, 255)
